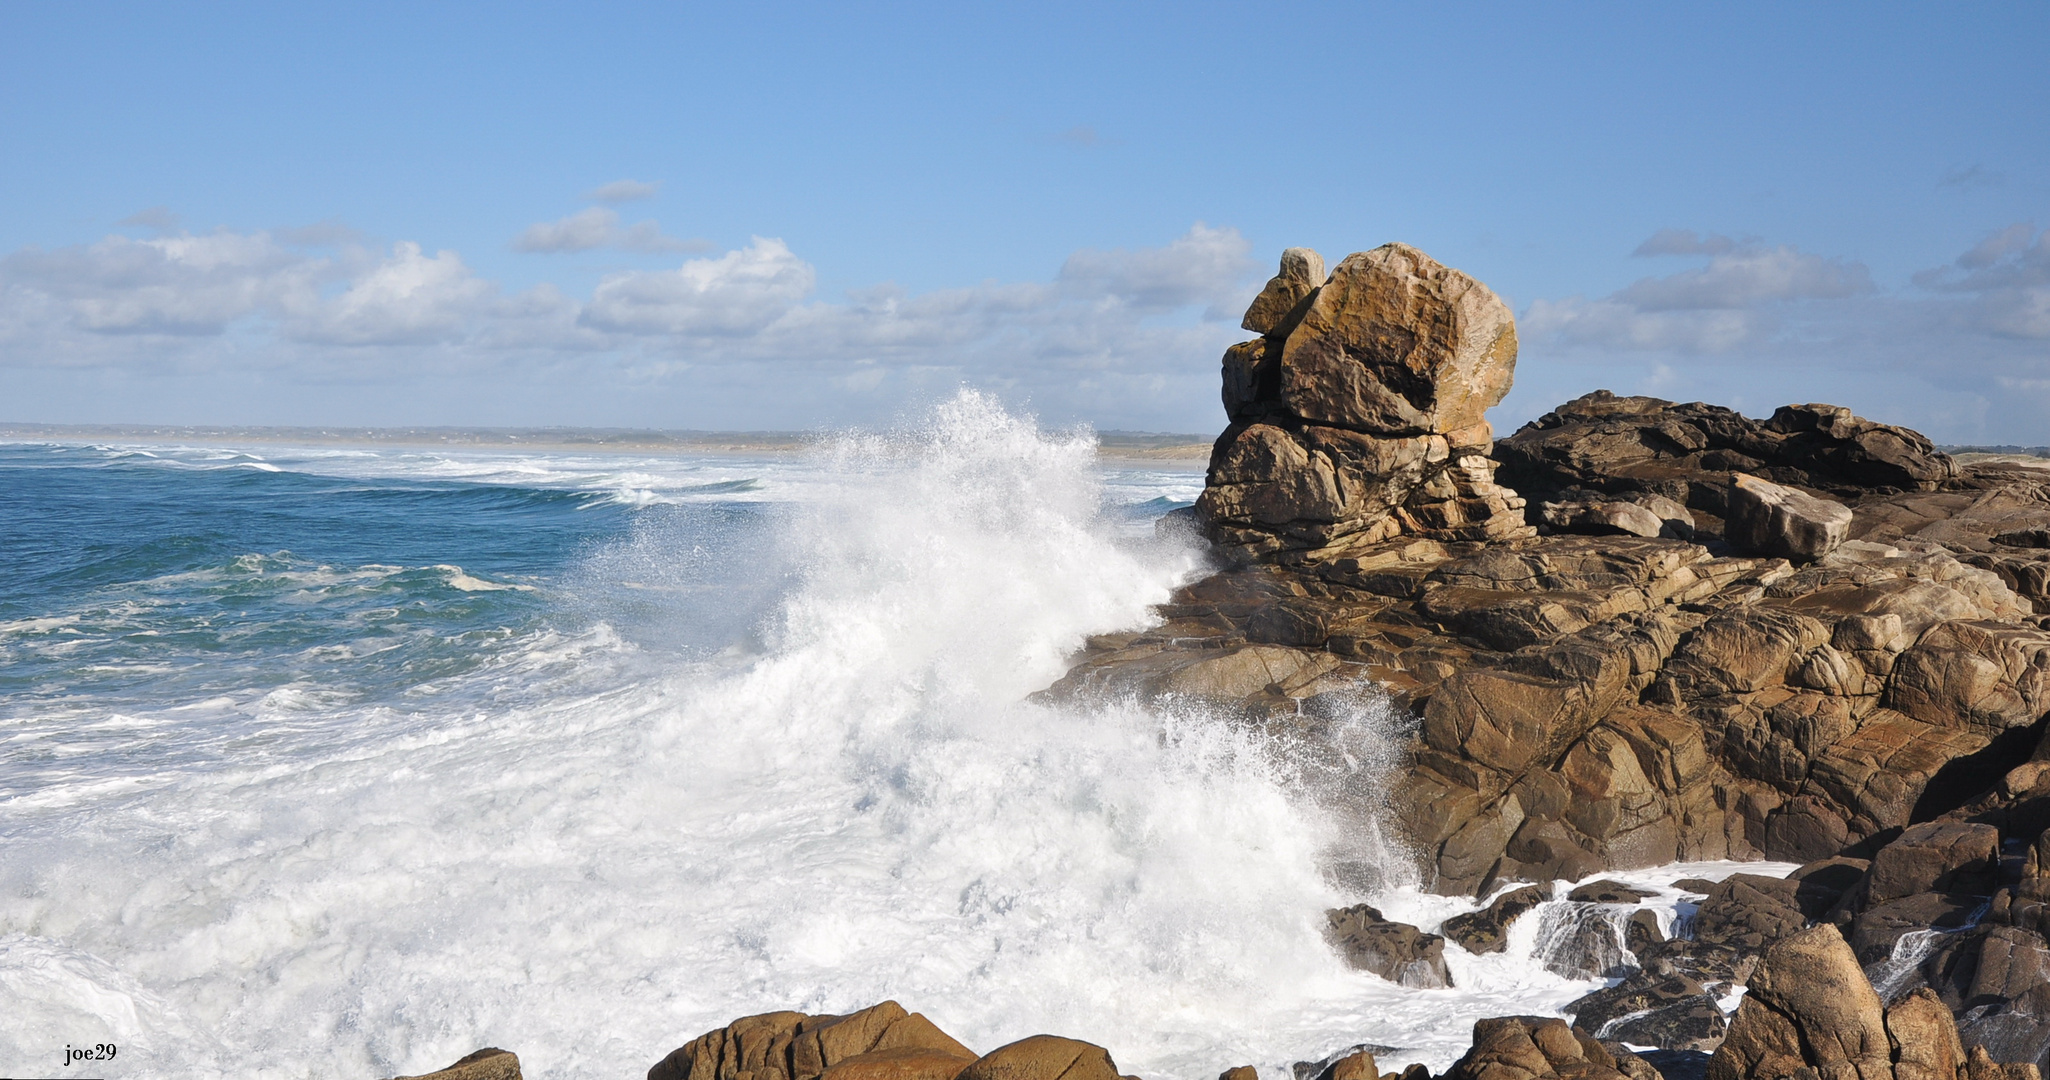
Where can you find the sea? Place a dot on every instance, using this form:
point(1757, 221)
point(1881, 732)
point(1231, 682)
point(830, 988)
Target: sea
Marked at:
point(344, 761)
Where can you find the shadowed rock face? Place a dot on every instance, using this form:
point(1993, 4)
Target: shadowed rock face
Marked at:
point(1358, 415)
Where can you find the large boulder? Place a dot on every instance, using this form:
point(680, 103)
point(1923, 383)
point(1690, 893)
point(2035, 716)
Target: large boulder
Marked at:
point(1534, 1048)
point(1397, 344)
point(1044, 1057)
point(1772, 519)
point(882, 1042)
point(1358, 415)
point(1809, 1011)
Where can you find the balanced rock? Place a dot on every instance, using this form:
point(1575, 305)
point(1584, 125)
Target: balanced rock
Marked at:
point(1359, 414)
point(1771, 519)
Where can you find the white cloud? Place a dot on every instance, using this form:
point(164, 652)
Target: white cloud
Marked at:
point(598, 227)
point(1110, 329)
point(408, 299)
point(179, 285)
point(620, 191)
point(2007, 278)
point(738, 293)
point(1683, 242)
point(1204, 266)
point(1961, 348)
point(1739, 298)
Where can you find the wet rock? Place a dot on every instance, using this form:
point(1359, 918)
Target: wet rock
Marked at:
point(1487, 930)
point(1694, 1023)
point(1240, 1072)
point(1672, 1012)
point(1748, 911)
point(1398, 952)
point(1609, 892)
point(1584, 941)
point(490, 1063)
point(1877, 929)
point(1771, 519)
point(1677, 1064)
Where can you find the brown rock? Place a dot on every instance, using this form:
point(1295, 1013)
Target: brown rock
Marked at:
point(1239, 1072)
point(899, 1063)
point(490, 1063)
point(1809, 1007)
point(894, 1045)
point(1924, 1038)
point(1302, 271)
point(1772, 519)
point(1936, 856)
point(1398, 952)
point(1043, 1057)
point(1487, 930)
point(1397, 344)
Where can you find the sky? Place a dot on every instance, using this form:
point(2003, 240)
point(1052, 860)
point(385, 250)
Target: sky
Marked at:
point(788, 216)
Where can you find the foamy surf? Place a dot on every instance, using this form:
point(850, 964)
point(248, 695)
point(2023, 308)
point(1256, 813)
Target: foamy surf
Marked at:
point(545, 827)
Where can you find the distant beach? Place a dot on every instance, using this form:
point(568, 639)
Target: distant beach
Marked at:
point(1118, 445)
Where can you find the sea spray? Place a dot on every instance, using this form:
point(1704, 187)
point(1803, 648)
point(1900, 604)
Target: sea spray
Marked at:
point(589, 842)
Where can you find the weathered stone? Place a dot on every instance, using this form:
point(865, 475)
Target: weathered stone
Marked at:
point(1486, 930)
point(1936, 856)
point(1772, 519)
point(1302, 271)
point(1043, 1057)
point(490, 1063)
point(1397, 344)
point(1809, 1012)
point(1635, 514)
point(1398, 952)
point(882, 1042)
point(1531, 1047)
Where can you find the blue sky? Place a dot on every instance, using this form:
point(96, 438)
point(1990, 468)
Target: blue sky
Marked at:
point(783, 216)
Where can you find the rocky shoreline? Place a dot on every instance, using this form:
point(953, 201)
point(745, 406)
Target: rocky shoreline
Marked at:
point(1633, 633)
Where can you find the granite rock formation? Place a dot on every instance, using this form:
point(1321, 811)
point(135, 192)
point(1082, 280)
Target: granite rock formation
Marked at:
point(1358, 414)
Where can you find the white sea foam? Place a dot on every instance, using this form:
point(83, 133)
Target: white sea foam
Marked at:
point(604, 859)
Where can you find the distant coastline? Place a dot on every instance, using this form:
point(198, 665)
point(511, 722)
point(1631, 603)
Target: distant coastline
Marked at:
point(1161, 447)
